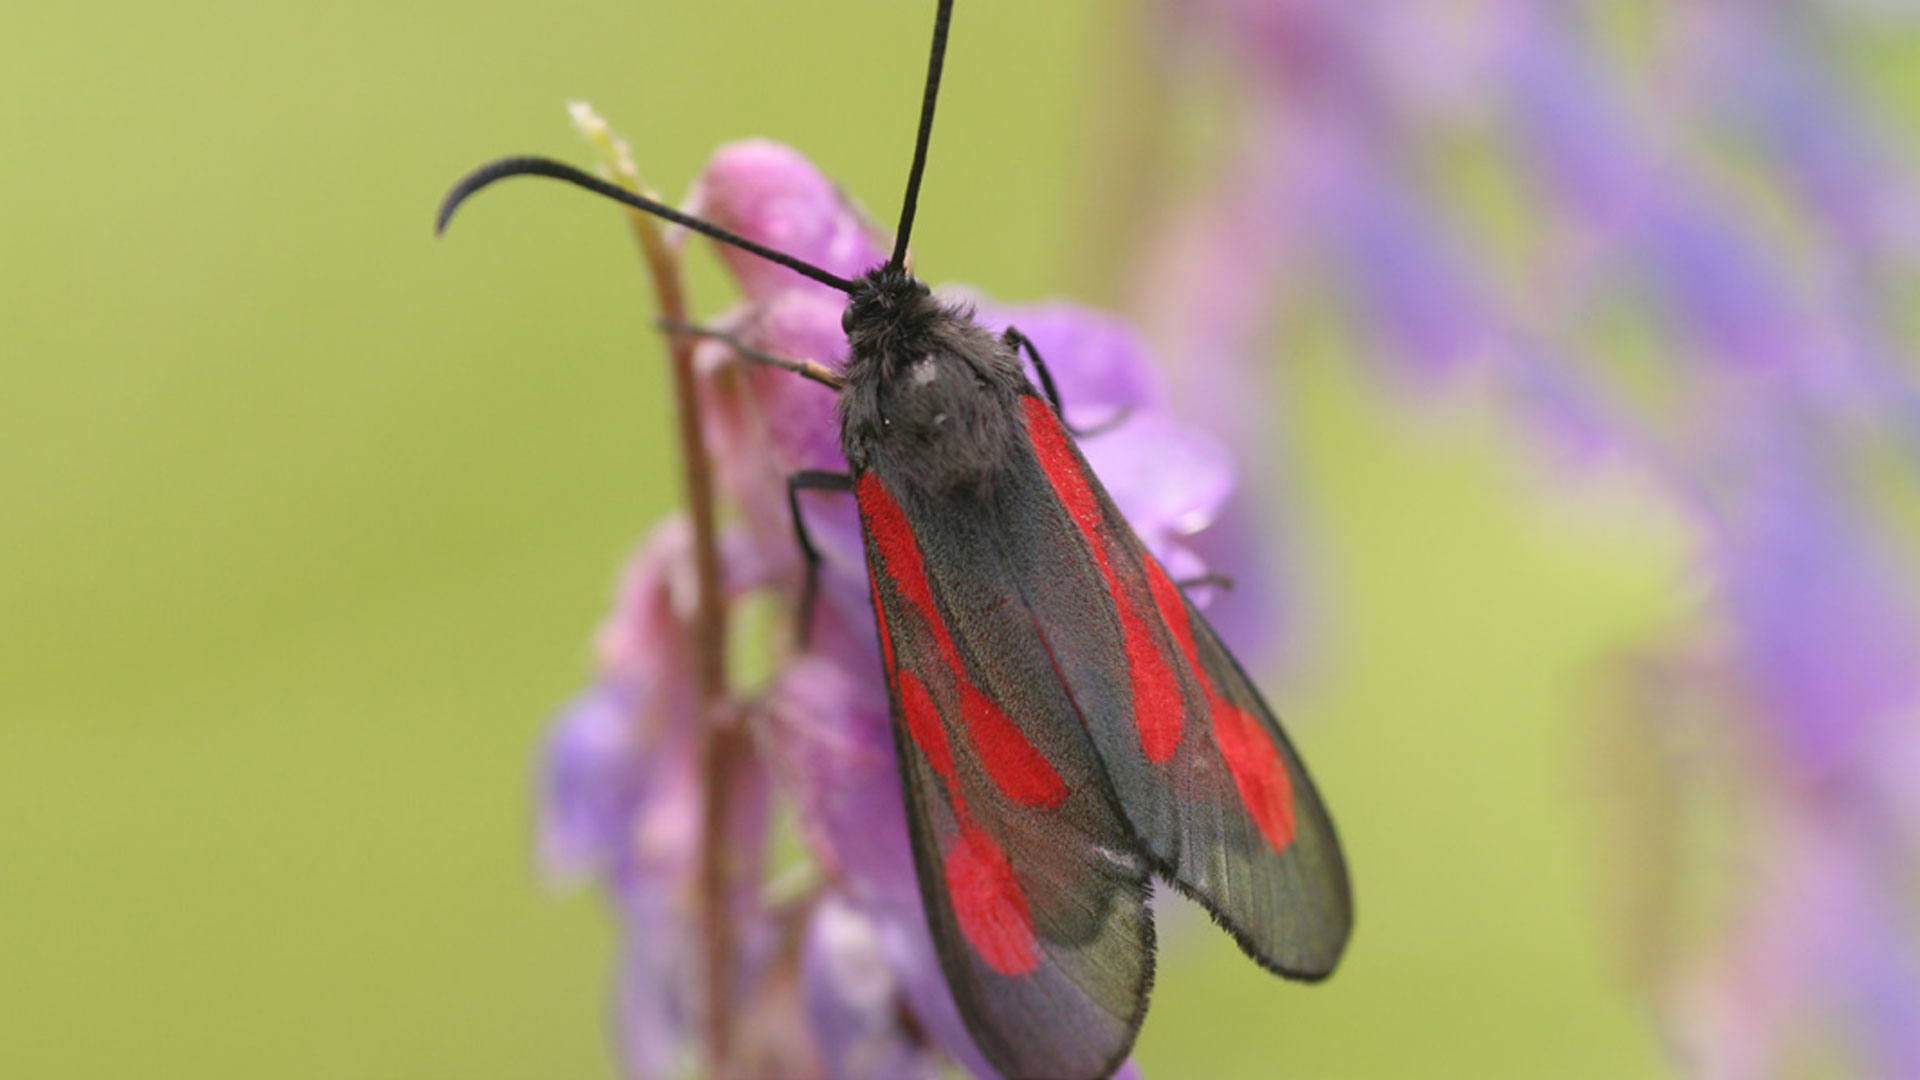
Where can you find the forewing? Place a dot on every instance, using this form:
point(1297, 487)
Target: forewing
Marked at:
point(1033, 883)
point(1202, 770)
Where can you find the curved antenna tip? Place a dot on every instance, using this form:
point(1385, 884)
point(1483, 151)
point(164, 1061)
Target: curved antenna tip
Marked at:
point(528, 165)
point(465, 188)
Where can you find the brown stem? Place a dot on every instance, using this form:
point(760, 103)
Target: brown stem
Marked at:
point(720, 735)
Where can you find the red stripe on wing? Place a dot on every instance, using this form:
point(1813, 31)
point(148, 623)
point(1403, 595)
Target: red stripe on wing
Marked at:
point(923, 724)
point(1157, 702)
point(1265, 787)
point(1258, 772)
point(1018, 769)
point(916, 705)
point(880, 621)
point(988, 904)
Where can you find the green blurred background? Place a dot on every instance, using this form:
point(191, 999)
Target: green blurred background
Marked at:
point(308, 518)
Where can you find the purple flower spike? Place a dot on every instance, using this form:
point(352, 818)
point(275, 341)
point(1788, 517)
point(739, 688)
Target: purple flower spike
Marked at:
point(1722, 287)
point(621, 797)
point(659, 964)
point(658, 969)
point(1577, 143)
point(652, 890)
point(1827, 619)
point(591, 777)
point(1704, 287)
point(641, 638)
point(1775, 91)
point(604, 755)
point(1415, 291)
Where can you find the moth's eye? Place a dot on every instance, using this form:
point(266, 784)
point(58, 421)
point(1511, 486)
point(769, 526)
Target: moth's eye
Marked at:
point(846, 320)
point(921, 288)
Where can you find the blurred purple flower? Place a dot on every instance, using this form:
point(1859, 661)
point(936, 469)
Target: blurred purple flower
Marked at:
point(1756, 79)
point(1828, 626)
point(853, 1000)
point(596, 773)
point(607, 756)
point(1716, 185)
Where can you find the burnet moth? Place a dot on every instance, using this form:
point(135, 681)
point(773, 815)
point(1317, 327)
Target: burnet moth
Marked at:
point(1067, 725)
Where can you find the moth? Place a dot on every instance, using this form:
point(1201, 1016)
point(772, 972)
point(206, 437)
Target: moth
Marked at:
point(1068, 726)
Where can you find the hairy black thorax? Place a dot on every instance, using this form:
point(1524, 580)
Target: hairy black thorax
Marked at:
point(931, 397)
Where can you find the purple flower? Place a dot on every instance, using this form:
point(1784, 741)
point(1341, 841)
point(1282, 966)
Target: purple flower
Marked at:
point(853, 1000)
point(621, 796)
point(612, 754)
point(1828, 621)
point(1790, 106)
point(1715, 195)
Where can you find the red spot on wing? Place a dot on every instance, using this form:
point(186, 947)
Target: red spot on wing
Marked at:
point(1019, 770)
point(1158, 706)
point(923, 724)
point(1258, 771)
point(988, 904)
point(1173, 612)
point(880, 622)
point(916, 705)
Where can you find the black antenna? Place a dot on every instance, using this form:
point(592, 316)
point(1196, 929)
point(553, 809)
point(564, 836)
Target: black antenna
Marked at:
point(538, 166)
point(900, 235)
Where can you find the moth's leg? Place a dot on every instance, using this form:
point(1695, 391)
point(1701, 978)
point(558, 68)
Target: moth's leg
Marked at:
point(810, 480)
point(1014, 339)
point(1218, 581)
point(806, 369)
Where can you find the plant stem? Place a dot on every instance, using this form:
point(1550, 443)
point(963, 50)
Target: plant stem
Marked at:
point(720, 735)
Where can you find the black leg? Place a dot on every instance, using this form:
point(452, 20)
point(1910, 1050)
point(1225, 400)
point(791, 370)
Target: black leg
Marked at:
point(1017, 340)
point(1218, 581)
point(810, 480)
point(806, 369)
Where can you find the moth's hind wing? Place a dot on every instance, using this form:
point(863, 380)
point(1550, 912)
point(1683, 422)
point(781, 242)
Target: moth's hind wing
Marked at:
point(1034, 885)
point(1251, 838)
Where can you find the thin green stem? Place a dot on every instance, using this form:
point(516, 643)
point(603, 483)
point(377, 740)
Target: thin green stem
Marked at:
point(721, 739)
